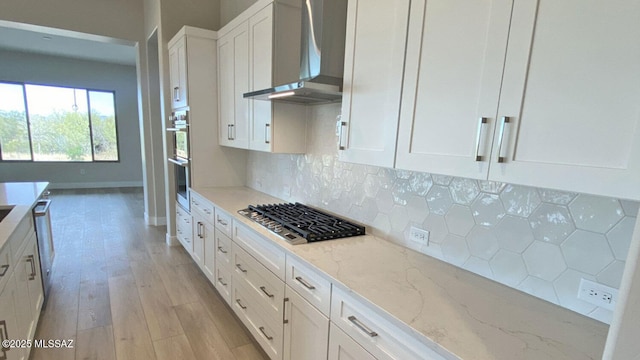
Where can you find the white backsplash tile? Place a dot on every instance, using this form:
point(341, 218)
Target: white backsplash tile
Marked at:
point(540, 241)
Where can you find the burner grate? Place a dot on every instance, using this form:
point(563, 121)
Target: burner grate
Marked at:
point(306, 222)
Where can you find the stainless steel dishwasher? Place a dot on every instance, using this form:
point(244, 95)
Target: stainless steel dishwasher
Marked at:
point(42, 219)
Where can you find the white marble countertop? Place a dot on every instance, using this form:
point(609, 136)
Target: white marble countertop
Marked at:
point(22, 196)
point(465, 314)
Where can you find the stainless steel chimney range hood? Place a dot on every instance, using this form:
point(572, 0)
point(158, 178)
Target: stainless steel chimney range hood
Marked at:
point(321, 57)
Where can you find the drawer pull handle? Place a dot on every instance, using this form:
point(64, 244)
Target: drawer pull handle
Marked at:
point(222, 250)
point(264, 290)
point(31, 259)
point(240, 304)
point(221, 281)
point(261, 328)
point(362, 327)
point(239, 266)
point(222, 222)
point(4, 270)
point(306, 284)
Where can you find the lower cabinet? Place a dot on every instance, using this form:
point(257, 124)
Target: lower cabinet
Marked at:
point(306, 329)
point(342, 347)
point(21, 292)
point(184, 228)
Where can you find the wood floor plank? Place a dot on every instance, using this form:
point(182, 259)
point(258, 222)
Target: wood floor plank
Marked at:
point(94, 308)
point(249, 352)
point(96, 344)
point(172, 348)
point(177, 283)
point(204, 337)
point(55, 353)
point(160, 315)
point(131, 336)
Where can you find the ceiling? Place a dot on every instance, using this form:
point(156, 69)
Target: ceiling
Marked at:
point(41, 40)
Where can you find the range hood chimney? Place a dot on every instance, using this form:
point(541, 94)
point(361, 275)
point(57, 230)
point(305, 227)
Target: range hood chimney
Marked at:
point(321, 57)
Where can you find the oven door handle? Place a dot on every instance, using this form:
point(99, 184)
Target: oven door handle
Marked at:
point(175, 129)
point(44, 203)
point(183, 163)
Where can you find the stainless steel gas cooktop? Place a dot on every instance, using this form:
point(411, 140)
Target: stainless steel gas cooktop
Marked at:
point(299, 224)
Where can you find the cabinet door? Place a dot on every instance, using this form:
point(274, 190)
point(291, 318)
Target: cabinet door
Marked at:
point(570, 94)
point(306, 330)
point(36, 292)
point(198, 240)
point(209, 263)
point(455, 56)
point(23, 273)
point(8, 322)
point(342, 347)
point(233, 75)
point(373, 80)
point(261, 60)
point(178, 74)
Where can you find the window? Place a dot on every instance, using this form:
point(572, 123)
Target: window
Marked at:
point(50, 123)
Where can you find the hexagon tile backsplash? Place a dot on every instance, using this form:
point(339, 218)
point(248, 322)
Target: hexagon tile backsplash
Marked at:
point(539, 241)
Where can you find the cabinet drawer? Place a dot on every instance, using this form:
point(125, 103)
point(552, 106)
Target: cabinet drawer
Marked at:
point(186, 239)
point(223, 282)
point(183, 218)
point(379, 336)
point(223, 222)
point(267, 332)
point(203, 206)
point(223, 250)
point(265, 287)
point(342, 347)
point(309, 284)
point(269, 254)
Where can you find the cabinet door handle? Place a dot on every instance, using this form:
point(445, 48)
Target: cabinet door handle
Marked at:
point(176, 93)
point(481, 122)
point(240, 304)
point(261, 328)
point(505, 120)
point(4, 335)
point(202, 234)
point(4, 269)
point(362, 327)
point(229, 132)
point(198, 231)
point(267, 127)
point(233, 131)
point(239, 266)
point(341, 125)
point(221, 281)
point(285, 320)
point(305, 283)
point(31, 259)
point(222, 250)
point(264, 290)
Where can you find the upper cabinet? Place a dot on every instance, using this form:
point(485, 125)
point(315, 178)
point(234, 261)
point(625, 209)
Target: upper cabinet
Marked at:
point(257, 50)
point(192, 52)
point(372, 80)
point(233, 75)
point(178, 70)
point(527, 92)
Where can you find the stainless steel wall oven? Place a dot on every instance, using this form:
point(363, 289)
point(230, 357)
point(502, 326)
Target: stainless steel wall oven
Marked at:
point(179, 130)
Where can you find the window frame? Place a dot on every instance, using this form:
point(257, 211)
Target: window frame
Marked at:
point(90, 120)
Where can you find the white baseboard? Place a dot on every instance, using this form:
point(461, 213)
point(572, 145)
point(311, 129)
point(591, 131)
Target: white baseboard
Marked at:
point(95, 185)
point(172, 240)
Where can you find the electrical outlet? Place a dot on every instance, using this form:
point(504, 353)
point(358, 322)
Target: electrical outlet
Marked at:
point(419, 236)
point(597, 294)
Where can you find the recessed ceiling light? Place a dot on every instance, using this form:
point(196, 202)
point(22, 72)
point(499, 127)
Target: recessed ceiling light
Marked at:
point(46, 37)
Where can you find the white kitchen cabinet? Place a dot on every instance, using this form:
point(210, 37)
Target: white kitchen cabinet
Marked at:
point(306, 330)
point(307, 282)
point(455, 52)
point(233, 75)
point(372, 81)
point(570, 93)
point(204, 246)
point(484, 98)
point(342, 347)
point(184, 228)
point(178, 73)
point(8, 321)
point(274, 60)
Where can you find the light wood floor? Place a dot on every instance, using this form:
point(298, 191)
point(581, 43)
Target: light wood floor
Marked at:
point(120, 293)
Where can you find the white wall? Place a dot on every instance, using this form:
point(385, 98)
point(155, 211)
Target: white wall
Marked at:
point(229, 9)
point(52, 70)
